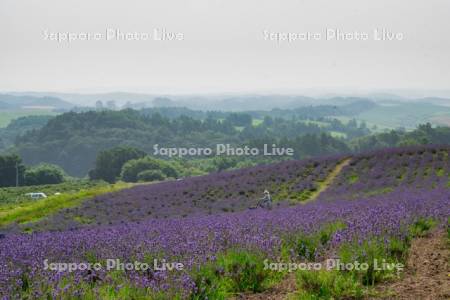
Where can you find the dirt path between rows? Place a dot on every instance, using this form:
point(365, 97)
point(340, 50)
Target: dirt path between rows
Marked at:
point(329, 180)
point(426, 277)
point(427, 274)
point(279, 292)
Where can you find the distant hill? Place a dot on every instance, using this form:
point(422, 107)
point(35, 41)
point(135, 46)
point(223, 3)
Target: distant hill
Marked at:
point(121, 98)
point(19, 126)
point(201, 102)
point(4, 105)
point(21, 102)
point(407, 114)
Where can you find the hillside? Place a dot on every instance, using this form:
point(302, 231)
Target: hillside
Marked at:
point(383, 171)
point(365, 175)
point(232, 191)
point(373, 206)
point(23, 102)
point(20, 126)
point(73, 140)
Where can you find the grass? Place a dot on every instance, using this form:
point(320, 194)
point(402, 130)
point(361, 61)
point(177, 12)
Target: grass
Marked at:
point(338, 134)
point(36, 210)
point(235, 271)
point(83, 220)
point(325, 284)
point(422, 227)
point(354, 178)
point(10, 197)
point(256, 122)
point(309, 246)
point(284, 192)
point(448, 230)
point(376, 192)
point(354, 283)
point(374, 252)
point(318, 123)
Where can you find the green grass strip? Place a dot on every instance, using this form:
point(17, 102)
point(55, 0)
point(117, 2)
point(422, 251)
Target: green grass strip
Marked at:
point(33, 211)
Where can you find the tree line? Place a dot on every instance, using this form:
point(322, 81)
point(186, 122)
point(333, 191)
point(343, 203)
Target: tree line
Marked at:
point(73, 140)
point(13, 172)
point(98, 143)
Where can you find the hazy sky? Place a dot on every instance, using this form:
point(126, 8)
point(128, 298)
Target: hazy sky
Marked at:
point(223, 46)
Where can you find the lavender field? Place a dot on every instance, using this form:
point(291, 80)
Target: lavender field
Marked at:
point(232, 191)
point(200, 222)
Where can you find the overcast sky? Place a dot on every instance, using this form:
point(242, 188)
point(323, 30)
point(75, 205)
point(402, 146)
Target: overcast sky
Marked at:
point(223, 46)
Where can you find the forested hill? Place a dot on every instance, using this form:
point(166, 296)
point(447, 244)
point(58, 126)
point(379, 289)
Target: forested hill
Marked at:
point(72, 140)
point(18, 127)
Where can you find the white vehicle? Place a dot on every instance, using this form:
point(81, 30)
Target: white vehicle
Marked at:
point(36, 196)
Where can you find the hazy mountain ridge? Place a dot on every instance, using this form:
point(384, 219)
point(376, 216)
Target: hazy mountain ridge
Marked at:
point(238, 102)
point(8, 101)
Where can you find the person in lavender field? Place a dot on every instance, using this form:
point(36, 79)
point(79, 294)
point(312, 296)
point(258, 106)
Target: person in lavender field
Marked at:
point(266, 201)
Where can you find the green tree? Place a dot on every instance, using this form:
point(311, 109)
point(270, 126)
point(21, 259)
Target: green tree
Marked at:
point(109, 163)
point(44, 174)
point(224, 163)
point(8, 170)
point(133, 168)
point(151, 175)
point(239, 119)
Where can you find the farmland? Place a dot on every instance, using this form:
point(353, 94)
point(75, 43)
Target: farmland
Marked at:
point(373, 207)
point(290, 183)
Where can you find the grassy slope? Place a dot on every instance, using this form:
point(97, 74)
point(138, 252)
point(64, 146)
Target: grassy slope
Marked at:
point(31, 211)
point(246, 278)
point(24, 211)
point(13, 196)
